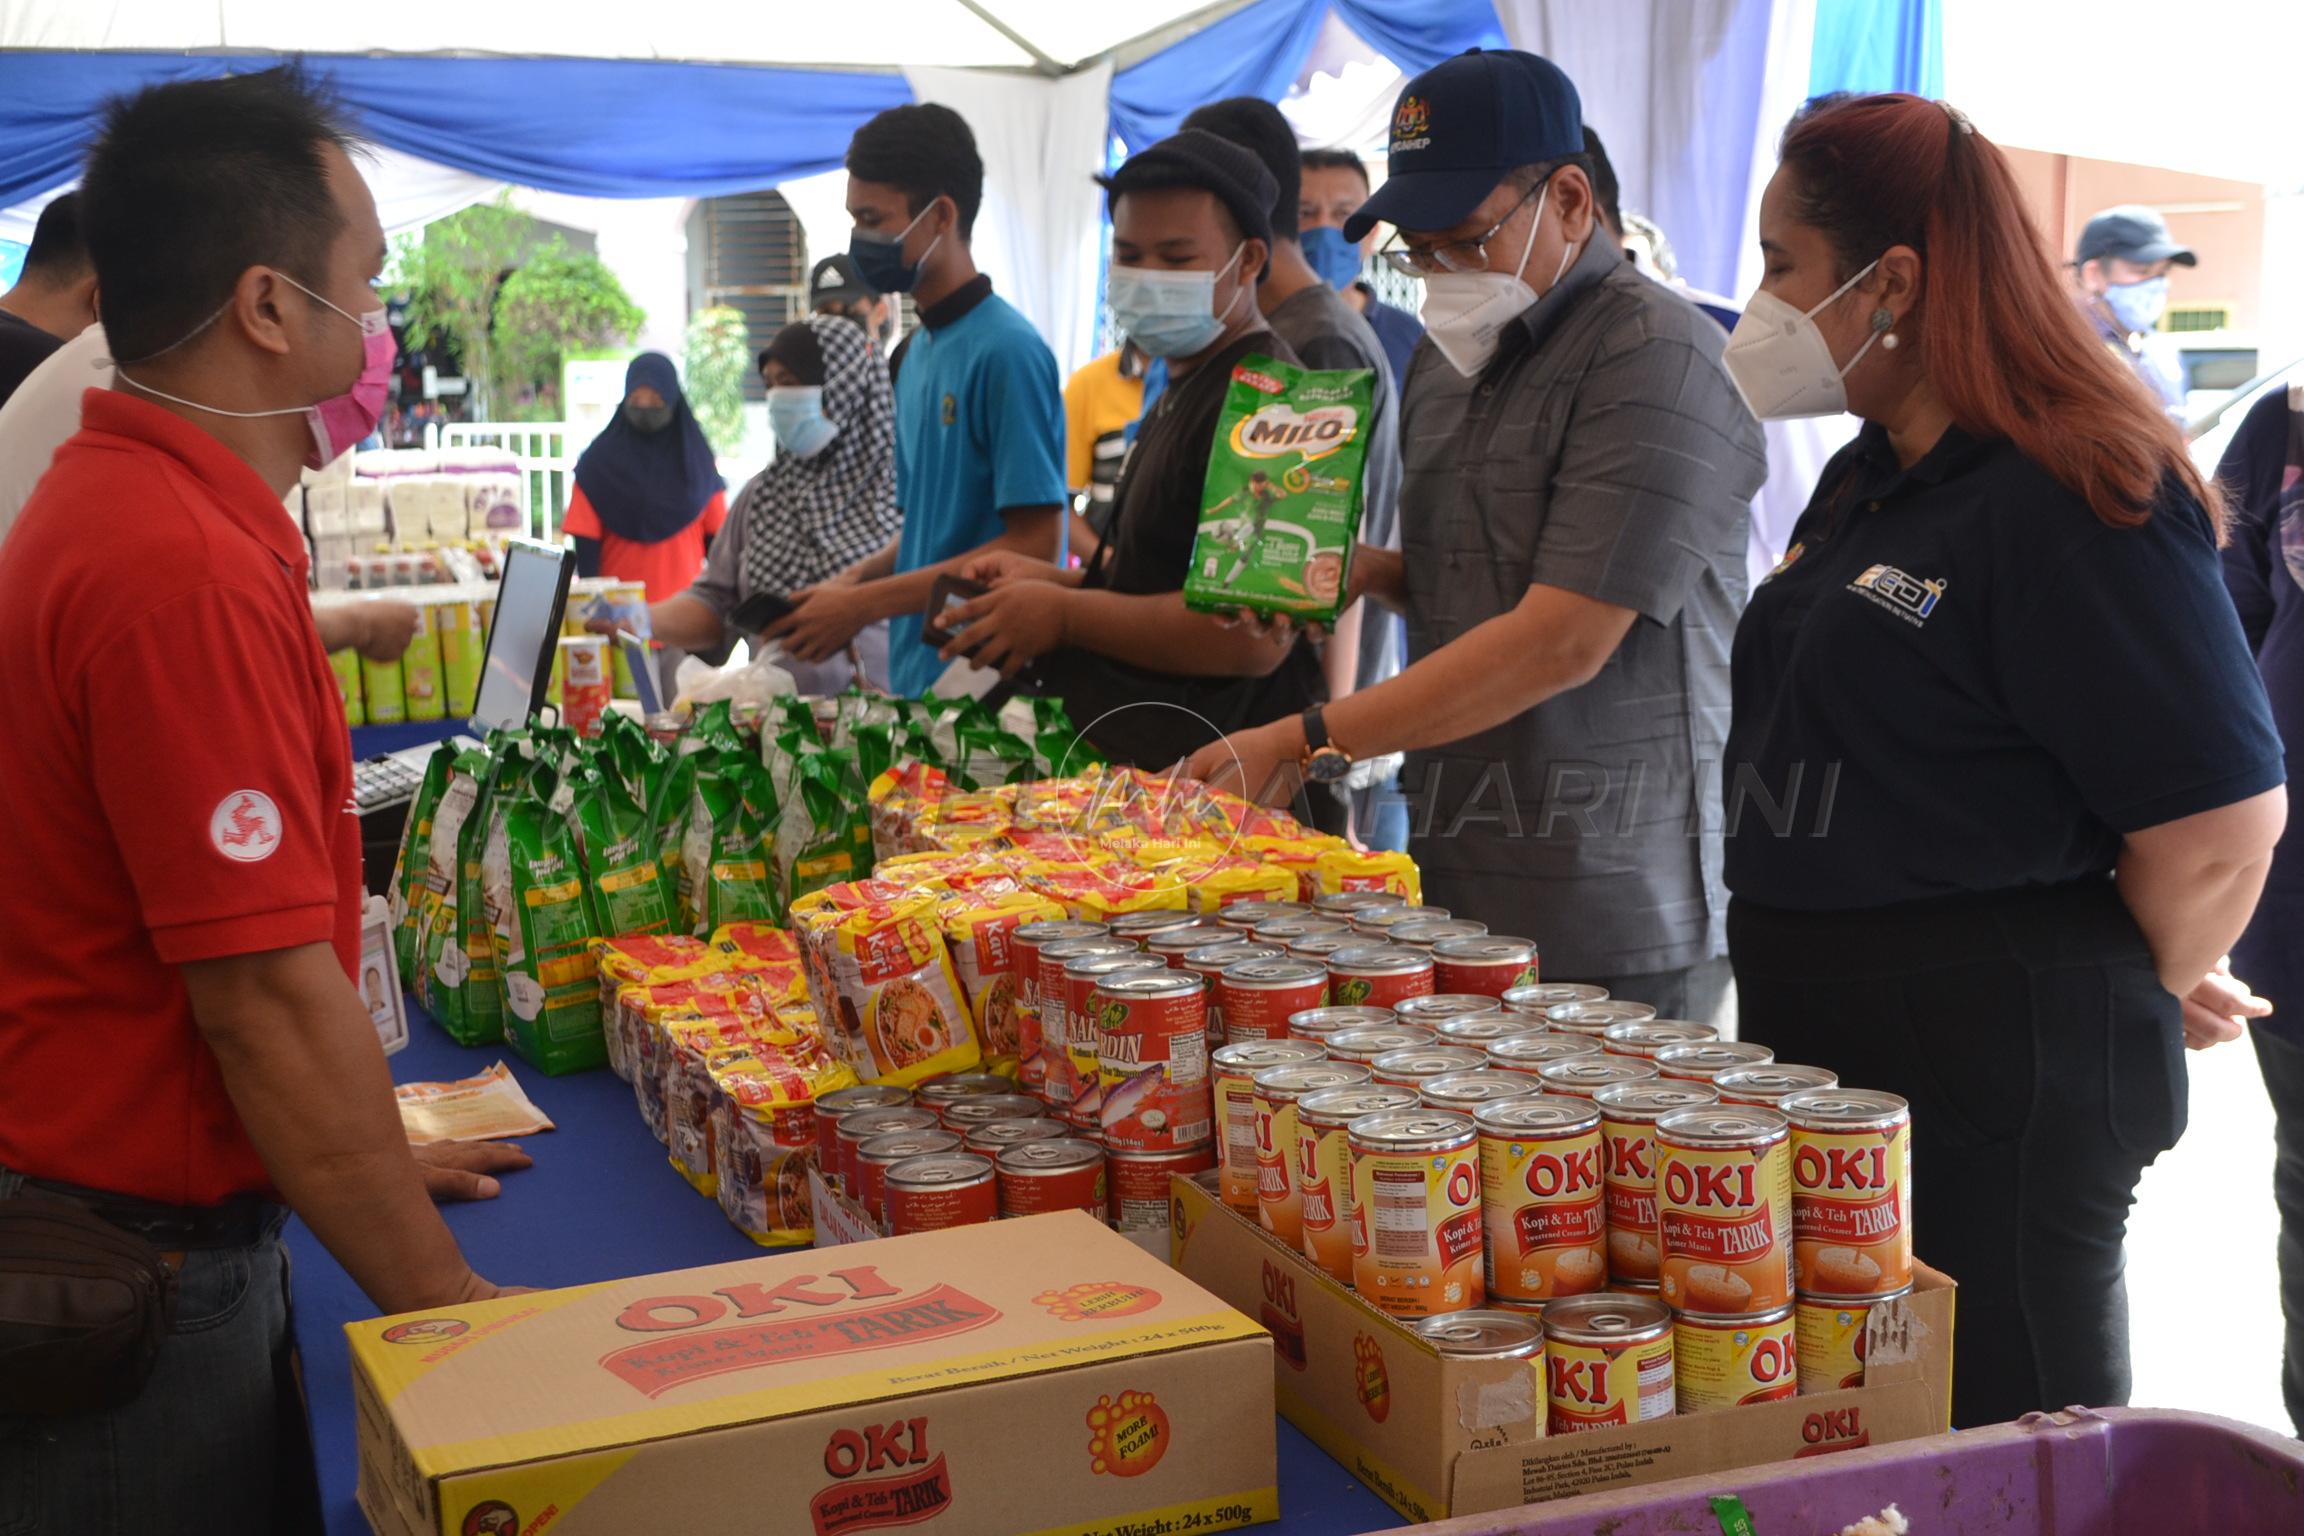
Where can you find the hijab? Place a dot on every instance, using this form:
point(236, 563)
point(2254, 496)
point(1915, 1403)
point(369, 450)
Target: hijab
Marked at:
point(808, 519)
point(647, 486)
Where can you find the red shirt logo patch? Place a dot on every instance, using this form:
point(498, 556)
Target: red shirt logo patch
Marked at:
point(245, 826)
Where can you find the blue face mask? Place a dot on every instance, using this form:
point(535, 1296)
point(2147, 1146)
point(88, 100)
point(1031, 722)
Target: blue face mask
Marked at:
point(880, 258)
point(1168, 313)
point(796, 416)
point(2138, 306)
point(1335, 258)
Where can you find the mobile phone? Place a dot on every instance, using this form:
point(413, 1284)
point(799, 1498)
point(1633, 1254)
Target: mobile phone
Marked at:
point(947, 591)
point(760, 612)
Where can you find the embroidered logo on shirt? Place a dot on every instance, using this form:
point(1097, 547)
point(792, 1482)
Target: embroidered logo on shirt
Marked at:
point(1785, 564)
point(1907, 596)
point(245, 826)
point(951, 410)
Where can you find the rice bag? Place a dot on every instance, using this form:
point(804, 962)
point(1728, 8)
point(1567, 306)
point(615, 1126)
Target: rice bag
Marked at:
point(624, 885)
point(1280, 509)
point(408, 869)
point(725, 848)
point(455, 973)
point(544, 931)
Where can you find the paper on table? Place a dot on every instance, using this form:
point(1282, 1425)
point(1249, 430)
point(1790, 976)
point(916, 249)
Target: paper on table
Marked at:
point(482, 1108)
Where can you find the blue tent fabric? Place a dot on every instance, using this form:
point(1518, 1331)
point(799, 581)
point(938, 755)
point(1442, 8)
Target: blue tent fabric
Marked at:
point(1878, 45)
point(588, 127)
point(1417, 34)
point(1260, 49)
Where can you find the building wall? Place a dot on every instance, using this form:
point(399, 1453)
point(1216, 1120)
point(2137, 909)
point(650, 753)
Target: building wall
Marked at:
point(2222, 220)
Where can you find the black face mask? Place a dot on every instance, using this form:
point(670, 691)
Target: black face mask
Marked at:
point(648, 418)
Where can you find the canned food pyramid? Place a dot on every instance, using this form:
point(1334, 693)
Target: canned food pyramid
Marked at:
point(1724, 1202)
point(1416, 1240)
point(1851, 1191)
point(1607, 1361)
point(1540, 1195)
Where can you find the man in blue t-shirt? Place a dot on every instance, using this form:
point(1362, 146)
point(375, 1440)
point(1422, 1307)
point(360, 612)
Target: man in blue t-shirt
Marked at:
point(979, 406)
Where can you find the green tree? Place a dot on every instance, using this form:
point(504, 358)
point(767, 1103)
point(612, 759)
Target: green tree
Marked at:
point(559, 301)
point(719, 350)
point(452, 273)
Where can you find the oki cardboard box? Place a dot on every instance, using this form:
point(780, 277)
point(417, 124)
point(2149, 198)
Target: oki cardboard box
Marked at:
point(1040, 1375)
point(1438, 1436)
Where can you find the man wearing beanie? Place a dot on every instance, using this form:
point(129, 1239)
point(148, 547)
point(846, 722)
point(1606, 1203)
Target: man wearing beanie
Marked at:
point(1148, 680)
point(1577, 477)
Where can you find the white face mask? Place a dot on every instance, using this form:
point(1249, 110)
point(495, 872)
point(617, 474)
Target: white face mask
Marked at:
point(1781, 364)
point(1465, 312)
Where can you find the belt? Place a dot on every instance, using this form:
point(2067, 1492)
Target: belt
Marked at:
point(240, 1222)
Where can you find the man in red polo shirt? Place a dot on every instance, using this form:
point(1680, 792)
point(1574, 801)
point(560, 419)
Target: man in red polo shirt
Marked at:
point(181, 1045)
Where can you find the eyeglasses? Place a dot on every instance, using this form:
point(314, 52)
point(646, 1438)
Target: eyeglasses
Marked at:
point(1454, 255)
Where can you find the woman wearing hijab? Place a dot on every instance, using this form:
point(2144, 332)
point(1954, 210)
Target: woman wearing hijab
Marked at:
point(648, 499)
point(827, 500)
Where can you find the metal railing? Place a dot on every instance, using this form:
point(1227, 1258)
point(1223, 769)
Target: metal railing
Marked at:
point(545, 464)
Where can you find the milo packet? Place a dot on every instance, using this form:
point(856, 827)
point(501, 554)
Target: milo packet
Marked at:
point(825, 834)
point(622, 879)
point(1280, 510)
point(544, 930)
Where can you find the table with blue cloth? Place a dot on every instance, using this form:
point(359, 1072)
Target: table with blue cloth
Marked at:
point(602, 1203)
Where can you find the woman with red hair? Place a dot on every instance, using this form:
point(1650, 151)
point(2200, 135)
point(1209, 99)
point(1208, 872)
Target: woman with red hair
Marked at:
point(2001, 784)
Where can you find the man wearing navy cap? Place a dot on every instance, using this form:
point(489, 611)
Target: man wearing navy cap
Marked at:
point(1578, 471)
point(2122, 267)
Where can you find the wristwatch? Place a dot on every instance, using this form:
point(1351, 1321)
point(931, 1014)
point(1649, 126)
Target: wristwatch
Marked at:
point(1324, 761)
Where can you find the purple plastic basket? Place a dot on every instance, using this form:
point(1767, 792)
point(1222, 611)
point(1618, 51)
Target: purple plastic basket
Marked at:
point(2078, 1473)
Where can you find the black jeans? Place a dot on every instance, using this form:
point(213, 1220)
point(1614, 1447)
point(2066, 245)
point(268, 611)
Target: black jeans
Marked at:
point(2283, 1065)
point(2045, 1067)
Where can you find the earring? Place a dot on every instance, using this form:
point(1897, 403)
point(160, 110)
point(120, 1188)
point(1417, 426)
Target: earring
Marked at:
point(1888, 342)
point(1882, 318)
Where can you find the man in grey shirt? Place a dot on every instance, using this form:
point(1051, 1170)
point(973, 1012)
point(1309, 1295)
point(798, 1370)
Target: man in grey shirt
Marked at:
point(1367, 646)
point(1578, 472)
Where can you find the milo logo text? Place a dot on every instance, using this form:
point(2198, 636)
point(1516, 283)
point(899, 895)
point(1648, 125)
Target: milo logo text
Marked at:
point(1279, 429)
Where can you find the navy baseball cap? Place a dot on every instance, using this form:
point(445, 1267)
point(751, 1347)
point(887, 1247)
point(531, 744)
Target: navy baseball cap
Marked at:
point(1460, 126)
point(2135, 233)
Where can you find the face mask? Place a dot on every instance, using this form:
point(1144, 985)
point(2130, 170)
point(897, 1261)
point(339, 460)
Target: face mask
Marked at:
point(880, 259)
point(337, 423)
point(1780, 362)
point(1465, 312)
point(796, 416)
point(1335, 258)
point(650, 419)
point(2138, 306)
point(1168, 313)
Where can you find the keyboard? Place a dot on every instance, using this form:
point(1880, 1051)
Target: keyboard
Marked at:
point(382, 781)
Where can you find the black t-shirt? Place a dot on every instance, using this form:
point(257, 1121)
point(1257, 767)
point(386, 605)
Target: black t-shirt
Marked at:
point(1155, 516)
point(1960, 680)
point(23, 347)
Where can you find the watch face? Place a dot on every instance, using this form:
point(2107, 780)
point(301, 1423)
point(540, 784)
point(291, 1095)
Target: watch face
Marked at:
point(1327, 766)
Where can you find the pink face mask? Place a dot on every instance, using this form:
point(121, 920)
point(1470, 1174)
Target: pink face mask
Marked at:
point(337, 423)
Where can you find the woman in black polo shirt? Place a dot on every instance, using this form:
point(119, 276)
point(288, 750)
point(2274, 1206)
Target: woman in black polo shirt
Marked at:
point(2001, 784)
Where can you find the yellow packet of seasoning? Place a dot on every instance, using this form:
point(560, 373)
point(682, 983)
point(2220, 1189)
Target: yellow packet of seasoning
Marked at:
point(1348, 869)
point(981, 934)
point(1243, 880)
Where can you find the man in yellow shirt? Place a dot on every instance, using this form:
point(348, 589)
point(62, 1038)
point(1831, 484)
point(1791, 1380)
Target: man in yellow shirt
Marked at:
point(1101, 399)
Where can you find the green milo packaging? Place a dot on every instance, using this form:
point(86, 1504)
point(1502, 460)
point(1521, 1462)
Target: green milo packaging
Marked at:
point(623, 880)
point(409, 867)
point(1281, 506)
